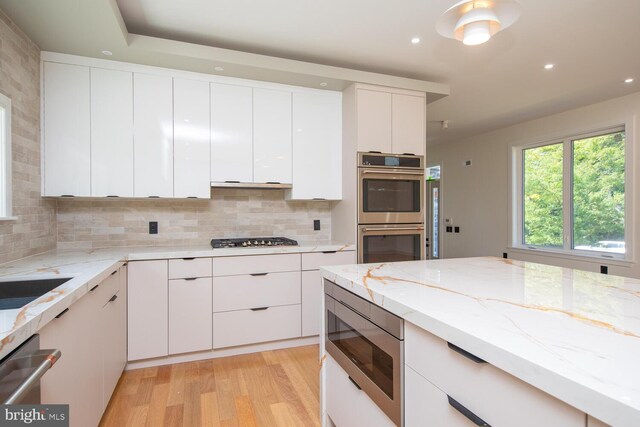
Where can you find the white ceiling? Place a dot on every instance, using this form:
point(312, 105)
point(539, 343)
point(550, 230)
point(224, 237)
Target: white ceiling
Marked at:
point(594, 44)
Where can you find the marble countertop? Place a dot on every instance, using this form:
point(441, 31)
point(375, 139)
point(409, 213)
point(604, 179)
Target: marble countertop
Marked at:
point(570, 333)
point(89, 267)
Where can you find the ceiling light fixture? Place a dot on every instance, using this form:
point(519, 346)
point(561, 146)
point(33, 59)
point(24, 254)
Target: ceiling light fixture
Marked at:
point(323, 84)
point(415, 40)
point(107, 52)
point(549, 66)
point(629, 80)
point(474, 22)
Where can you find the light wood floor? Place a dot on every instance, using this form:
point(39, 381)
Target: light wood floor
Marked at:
point(272, 388)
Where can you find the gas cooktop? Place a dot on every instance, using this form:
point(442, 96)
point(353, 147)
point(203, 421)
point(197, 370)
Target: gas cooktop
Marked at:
point(252, 242)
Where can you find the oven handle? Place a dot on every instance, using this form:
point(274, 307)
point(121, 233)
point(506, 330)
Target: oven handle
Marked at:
point(364, 230)
point(393, 172)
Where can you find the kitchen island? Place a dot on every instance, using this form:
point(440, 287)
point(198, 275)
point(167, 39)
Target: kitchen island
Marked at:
point(569, 335)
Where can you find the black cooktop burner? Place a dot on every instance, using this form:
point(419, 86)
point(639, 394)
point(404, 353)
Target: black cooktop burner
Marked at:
point(253, 242)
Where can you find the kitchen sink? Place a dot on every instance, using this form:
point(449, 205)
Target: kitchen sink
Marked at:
point(18, 293)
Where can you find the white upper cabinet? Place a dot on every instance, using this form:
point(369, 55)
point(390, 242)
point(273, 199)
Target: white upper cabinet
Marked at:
point(231, 133)
point(111, 133)
point(153, 135)
point(317, 146)
point(271, 136)
point(374, 121)
point(390, 120)
point(408, 124)
point(191, 139)
point(67, 130)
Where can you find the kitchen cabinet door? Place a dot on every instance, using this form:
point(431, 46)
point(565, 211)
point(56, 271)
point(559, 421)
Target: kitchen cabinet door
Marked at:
point(153, 135)
point(408, 122)
point(147, 309)
point(190, 315)
point(271, 136)
point(191, 139)
point(67, 144)
point(373, 116)
point(111, 133)
point(317, 146)
point(231, 133)
point(114, 336)
point(75, 379)
point(311, 302)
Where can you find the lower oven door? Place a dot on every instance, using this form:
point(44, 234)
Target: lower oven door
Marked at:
point(390, 243)
point(371, 357)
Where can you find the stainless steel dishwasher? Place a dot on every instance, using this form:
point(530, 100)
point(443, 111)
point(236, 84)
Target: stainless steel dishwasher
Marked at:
point(21, 370)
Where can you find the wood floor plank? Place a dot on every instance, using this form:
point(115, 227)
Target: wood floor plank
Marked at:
point(269, 389)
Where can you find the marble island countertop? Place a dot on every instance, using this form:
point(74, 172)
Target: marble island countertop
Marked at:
point(87, 268)
point(571, 333)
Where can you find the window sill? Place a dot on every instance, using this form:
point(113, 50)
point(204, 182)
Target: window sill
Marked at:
point(8, 218)
point(596, 259)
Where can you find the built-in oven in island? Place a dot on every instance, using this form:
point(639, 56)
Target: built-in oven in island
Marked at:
point(368, 343)
point(390, 189)
point(390, 243)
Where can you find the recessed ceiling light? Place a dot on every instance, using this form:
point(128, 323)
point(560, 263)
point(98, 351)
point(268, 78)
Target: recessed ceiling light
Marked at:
point(323, 84)
point(107, 52)
point(549, 66)
point(629, 80)
point(218, 68)
point(415, 40)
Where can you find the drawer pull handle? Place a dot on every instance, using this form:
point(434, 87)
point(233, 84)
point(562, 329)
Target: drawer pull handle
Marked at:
point(62, 313)
point(188, 259)
point(94, 288)
point(113, 298)
point(259, 274)
point(329, 252)
point(114, 272)
point(467, 413)
point(355, 383)
point(259, 308)
point(465, 353)
point(190, 278)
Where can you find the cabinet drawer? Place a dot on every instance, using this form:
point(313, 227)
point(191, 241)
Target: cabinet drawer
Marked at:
point(233, 328)
point(251, 264)
point(424, 401)
point(315, 260)
point(490, 393)
point(107, 288)
point(246, 291)
point(187, 268)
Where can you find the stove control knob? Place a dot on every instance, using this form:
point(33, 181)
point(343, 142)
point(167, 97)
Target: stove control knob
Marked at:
point(255, 242)
point(263, 243)
point(269, 243)
point(244, 243)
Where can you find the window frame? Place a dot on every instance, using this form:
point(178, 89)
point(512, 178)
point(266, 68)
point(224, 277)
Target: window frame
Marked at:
point(516, 203)
point(5, 163)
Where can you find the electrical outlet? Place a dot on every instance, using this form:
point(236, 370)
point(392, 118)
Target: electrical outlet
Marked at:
point(153, 227)
point(456, 229)
point(604, 269)
point(449, 229)
point(504, 255)
point(316, 224)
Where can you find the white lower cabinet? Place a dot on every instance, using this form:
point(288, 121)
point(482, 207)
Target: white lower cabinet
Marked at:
point(256, 325)
point(491, 394)
point(90, 334)
point(148, 309)
point(190, 315)
point(346, 405)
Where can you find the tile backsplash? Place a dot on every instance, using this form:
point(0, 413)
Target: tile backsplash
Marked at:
point(230, 213)
point(34, 230)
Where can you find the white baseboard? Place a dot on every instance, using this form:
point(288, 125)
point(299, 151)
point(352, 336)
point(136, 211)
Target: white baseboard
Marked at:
point(223, 352)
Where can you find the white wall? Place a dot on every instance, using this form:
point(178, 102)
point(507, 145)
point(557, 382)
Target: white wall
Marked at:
point(476, 197)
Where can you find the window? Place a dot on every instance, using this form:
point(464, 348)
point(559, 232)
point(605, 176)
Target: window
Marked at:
point(5, 157)
point(570, 195)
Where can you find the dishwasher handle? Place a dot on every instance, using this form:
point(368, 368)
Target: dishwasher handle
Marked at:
point(47, 359)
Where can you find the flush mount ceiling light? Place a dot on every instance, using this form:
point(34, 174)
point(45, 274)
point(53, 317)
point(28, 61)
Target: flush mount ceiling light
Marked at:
point(473, 22)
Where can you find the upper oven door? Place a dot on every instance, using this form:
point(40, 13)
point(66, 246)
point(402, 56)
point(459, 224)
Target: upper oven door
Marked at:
point(390, 243)
point(390, 196)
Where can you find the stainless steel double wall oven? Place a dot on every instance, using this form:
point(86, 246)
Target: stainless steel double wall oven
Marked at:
point(390, 207)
